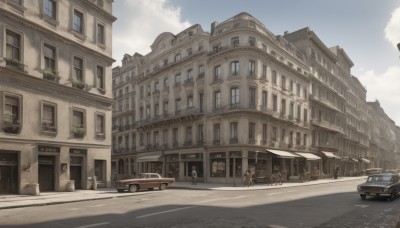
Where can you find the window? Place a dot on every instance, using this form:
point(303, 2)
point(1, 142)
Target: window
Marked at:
point(235, 41)
point(264, 72)
point(50, 8)
point(165, 107)
point(100, 33)
point(16, 2)
point(177, 79)
point(175, 136)
point(78, 22)
point(141, 113)
point(283, 82)
point(305, 93)
point(189, 135)
point(201, 71)
point(166, 84)
point(217, 100)
point(155, 138)
point(291, 86)
point(291, 138)
point(283, 133)
point(234, 97)
point(283, 107)
point(100, 125)
point(252, 68)
point(252, 97)
point(49, 53)
point(217, 73)
point(291, 110)
point(100, 77)
point(298, 112)
point(13, 46)
point(274, 80)
point(78, 123)
point(200, 133)
point(305, 139)
point(252, 41)
point(141, 91)
point(148, 111)
point(78, 69)
point(298, 89)
point(189, 51)
point(156, 86)
point(165, 137)
point(235, 68)
point(201, 101)
point(100, 170)
point(264, 132)
point(252, 132)
point(298, 138)
point(274, 102)
point(49, 123)
point(156, 109)
point(274, 134)
point(264, 99)
point(189, 75)
point(178, 105)
point(234, 132)
point(305, 119)
point(178, 57)
point(11, 115)
point(148, 139)
point(190, 101)
point(141, 139)
point(216, 130)
point(218, 164)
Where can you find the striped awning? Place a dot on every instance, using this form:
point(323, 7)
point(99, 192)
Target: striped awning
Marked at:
point(365, 160)
point(308, 156)
point(331, 155)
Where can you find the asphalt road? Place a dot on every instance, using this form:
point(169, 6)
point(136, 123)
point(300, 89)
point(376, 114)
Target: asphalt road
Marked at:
point(326, 205)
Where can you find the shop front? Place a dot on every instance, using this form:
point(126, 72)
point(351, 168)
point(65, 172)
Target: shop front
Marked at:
point(192, 161)
point(8, 172)
point(329, 162)
point(151, 164)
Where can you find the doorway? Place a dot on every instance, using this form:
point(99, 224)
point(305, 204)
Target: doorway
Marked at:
point(46, 173)
point(8, 173)
point(76, 171)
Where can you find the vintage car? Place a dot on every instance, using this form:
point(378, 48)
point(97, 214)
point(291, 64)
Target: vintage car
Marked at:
point(144, 181)
point(384, 184)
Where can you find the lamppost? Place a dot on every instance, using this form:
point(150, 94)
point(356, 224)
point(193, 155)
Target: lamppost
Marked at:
point(398, 46)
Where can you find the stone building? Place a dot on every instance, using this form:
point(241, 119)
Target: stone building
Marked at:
point(55, 90)
point(239, 98)
point(221, 102)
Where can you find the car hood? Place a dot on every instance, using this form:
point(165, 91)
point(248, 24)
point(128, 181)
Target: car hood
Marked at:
point(376, 184)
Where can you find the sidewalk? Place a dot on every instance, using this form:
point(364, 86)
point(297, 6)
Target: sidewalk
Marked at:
point(48, 198)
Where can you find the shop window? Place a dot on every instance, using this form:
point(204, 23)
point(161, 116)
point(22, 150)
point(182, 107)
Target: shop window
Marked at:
point(218, 164)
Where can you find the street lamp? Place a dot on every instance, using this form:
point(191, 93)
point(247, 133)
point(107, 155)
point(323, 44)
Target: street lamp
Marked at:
point(398, 46)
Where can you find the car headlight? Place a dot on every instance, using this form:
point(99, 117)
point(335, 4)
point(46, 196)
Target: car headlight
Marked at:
point(386, 190)
point(359, 188)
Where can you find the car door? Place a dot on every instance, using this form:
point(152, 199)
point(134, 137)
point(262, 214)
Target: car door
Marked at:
point(154, 181)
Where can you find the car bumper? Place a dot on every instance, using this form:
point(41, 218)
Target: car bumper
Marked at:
point(126, 187)
point(374, 193)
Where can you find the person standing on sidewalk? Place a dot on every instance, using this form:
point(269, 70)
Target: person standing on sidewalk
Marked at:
point(248, 178)
point(335, 175)
point(194, 175)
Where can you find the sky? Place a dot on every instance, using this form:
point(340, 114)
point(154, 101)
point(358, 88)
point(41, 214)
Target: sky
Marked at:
point(368, 31)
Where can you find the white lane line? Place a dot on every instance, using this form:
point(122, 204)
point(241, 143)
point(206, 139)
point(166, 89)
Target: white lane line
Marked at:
point(292, 191)
point(362, 206)
point(98, 205)
point(73, 209)
point(163, 212)
point(188, 207)
point(274, 193)
point(94, 225)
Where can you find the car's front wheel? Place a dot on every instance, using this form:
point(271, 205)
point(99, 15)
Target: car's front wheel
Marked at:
point(363, 196)
point(133, 188)
point(163, 187)
point(392, 196)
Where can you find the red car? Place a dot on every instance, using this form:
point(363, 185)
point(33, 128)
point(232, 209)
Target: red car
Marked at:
point(144, 181)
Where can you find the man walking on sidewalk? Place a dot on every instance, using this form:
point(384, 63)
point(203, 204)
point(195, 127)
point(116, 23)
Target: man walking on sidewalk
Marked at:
point(194, 175)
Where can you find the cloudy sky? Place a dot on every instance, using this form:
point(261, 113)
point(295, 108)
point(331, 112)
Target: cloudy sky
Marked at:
point(368, 30)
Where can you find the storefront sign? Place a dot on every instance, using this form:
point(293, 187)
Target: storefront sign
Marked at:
point(49, 149)
point(78, 151)
point(191, 157)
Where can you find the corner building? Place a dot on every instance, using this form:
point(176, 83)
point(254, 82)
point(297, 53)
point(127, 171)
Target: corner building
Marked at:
point(222, 102)
point(55, 95)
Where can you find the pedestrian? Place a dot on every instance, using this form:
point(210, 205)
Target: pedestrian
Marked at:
point(335, 175)
point(248, 178)
point(194, 175)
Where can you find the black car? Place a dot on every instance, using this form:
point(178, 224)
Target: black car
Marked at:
point(384, 184)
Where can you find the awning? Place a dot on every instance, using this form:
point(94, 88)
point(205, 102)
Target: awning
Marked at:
point(309, 156)
point(353, 159)
point(365, 160)
point(149, 158)
point(330, 155)
point(283, 154)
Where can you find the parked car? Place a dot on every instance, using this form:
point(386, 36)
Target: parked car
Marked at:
point(385, 184)
point(373, 171)
point(144, 181)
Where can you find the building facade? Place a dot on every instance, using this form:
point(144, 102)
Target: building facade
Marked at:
point(55, 94)
point(238, 98)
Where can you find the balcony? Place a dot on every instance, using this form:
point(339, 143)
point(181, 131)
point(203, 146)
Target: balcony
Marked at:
point(78, 131)
point(233, 140)
point(216, 142)
point(188, 82)
point(200, 76)
point(11, 127)
point(51, 75)
point(79, 84)
point(49, 127)
point(15, 64)
point(252, 141)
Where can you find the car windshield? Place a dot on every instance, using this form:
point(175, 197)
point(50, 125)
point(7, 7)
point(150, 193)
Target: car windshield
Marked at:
point(380, 178)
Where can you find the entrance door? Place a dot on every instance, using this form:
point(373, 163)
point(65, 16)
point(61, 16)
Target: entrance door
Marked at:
point(8, 173)
point(76, 171)
point(46, 173)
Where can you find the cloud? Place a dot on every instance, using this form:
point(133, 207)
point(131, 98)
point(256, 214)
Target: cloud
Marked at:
point(392, 29)
point(384, 87)
point(140, 22)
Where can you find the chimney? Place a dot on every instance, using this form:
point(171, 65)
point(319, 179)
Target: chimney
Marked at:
point(213, 25)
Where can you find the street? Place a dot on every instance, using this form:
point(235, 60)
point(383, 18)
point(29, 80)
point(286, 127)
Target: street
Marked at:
point(324, 205)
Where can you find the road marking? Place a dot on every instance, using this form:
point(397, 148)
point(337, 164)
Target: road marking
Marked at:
point(163, 212)
point(274, 193)
point(362, 206)
point(98, 205)
point(94, 225)
point(292, 191)
point(188, 207)
point(73, 209)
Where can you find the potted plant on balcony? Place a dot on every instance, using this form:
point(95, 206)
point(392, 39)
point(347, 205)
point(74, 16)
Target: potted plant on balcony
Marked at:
point(50, 74)
point(12, 127)
point(78, 84)
point(48, 127)
point(79, 131)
